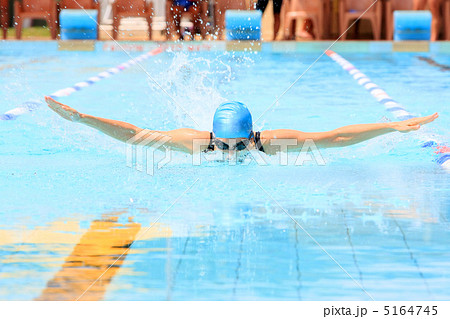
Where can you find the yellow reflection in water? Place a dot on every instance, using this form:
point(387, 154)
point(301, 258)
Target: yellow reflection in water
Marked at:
point(103, 243)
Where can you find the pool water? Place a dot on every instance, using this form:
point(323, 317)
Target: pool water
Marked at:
point(77, 223)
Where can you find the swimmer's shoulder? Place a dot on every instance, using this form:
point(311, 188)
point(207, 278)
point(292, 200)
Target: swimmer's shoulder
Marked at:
point(268, 138)
point(189, 140)
point(264, 139)
point(279, 134)
point(190, 133)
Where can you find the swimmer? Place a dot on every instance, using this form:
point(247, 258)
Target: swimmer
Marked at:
point(233, 131)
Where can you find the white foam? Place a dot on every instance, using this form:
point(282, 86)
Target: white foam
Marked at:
point(192, 82)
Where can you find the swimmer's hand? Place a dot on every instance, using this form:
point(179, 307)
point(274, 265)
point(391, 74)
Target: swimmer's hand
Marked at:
point(62, 110)
point(413, 124)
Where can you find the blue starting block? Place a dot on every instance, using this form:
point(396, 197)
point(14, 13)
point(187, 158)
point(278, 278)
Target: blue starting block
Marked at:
point(243, 25)
point(412, 25)
point(78, 25)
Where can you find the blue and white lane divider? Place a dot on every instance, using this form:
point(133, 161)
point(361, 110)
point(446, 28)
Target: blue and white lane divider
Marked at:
point(389, 103)
point(378, 93)
point(31, 105)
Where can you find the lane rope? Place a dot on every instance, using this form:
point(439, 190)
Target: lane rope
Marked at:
point(31, 105)
point(389, 103)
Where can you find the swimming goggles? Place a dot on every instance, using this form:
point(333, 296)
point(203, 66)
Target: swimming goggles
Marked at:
point(242, 145)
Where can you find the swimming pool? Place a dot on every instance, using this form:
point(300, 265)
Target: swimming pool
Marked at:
point(70, 206)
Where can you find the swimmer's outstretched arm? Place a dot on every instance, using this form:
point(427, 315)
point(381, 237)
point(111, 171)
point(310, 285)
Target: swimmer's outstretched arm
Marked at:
point(181, 139)
point(347, 135)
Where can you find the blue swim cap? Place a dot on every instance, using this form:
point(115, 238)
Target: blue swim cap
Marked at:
point(232, 120)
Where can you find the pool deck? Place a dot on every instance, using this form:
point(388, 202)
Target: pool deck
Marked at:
point(275, 46)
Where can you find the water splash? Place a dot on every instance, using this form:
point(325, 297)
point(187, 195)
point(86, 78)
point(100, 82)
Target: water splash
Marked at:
point(193, 83)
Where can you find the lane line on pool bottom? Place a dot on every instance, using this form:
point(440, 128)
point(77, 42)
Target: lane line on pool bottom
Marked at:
point(432, 62)
point(31, 105)
point(389, 103)
point(313, 239)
